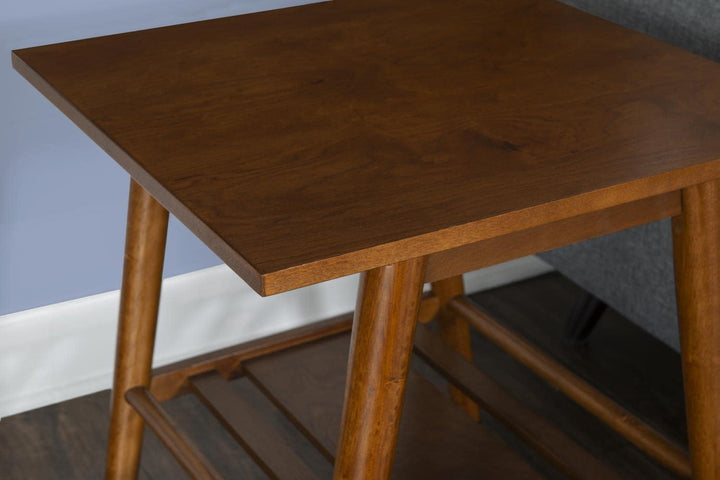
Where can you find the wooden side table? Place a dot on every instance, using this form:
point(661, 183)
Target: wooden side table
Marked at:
point(410, 141)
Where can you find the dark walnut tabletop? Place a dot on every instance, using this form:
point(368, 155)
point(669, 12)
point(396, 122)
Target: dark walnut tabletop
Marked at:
point(313, 142)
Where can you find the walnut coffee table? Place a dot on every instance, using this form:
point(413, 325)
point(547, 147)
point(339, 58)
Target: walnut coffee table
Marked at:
point(411, 141)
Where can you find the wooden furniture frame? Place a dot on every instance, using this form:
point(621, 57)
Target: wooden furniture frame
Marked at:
point(411, 142)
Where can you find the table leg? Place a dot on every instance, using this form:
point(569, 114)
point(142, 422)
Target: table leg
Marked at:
point(142, 276)
point(380, 350)
point(456, 333)
point(696, 236)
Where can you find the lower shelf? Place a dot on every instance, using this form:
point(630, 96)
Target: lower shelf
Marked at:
point(436, 439)
point(303, 372)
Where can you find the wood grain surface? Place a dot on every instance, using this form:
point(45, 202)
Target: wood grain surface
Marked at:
point(312, 142)
point(386, 314)
point(696, 234)
point(146, 233)
point(484, 253)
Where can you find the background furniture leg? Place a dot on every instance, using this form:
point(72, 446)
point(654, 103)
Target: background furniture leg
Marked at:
point(696, 237)
point(456, 333)
point(380, 349)
point(139, 299)
point(584, 317)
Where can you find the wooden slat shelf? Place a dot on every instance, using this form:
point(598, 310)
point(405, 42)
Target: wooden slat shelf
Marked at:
point(303, 373)
point(171, 380)
point(270, 450)
point(306, 382)
point(436, 439)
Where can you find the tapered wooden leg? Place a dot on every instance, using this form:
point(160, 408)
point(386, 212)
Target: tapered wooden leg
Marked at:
point(380, 349)
point(456, 333)
point(696, 235)
point(142, 275)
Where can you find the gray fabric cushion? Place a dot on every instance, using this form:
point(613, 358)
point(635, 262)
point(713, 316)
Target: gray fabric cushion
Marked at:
point(632, 270)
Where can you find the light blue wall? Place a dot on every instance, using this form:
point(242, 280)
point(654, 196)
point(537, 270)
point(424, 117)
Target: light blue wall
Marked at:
point(62, 199)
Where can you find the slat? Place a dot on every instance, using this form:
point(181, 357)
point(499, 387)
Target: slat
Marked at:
point(171, 380)
point(550, 442)
point(186, 453)
point(552, 235)
point(642, 435)
point(270, 450)
point(436, 439)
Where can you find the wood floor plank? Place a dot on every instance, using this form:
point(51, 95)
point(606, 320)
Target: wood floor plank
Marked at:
point(61, 441)
point(436, 439)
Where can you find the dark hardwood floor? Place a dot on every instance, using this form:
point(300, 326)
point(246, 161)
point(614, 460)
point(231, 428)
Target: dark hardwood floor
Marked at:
point(67, 440)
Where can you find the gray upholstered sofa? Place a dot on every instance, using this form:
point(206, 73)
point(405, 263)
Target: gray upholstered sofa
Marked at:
point(632, 271)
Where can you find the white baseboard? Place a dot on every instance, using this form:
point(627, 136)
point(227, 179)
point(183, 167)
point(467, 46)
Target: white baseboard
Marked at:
point(62, 351)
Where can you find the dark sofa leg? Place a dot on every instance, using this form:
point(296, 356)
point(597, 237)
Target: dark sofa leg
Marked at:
point(585, 314)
